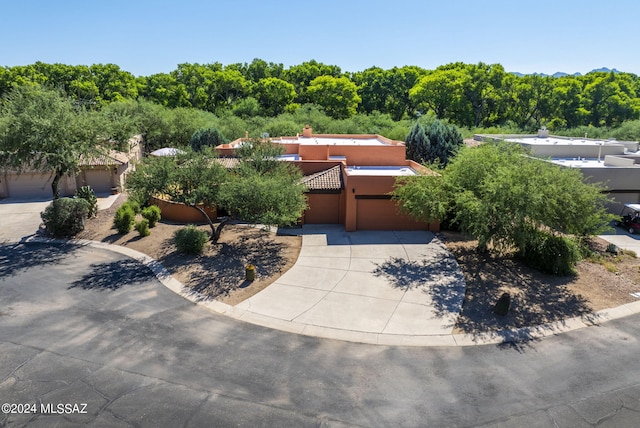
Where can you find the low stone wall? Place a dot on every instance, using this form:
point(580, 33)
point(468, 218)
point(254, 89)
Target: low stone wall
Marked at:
point(181, 213)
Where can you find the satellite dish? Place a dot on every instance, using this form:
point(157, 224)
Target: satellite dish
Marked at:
point(265, 135)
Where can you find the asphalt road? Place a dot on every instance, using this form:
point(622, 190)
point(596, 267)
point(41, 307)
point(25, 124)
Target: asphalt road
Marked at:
point(86, 326)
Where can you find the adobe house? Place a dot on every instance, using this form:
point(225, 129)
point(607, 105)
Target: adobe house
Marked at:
point(349, 178)
point(105, 174)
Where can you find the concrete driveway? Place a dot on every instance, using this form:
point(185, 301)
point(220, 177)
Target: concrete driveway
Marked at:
point(21, 217)
point(623, 239)
point(369, 286)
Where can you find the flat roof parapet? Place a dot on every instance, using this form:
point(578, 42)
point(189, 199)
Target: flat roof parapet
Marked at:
point(382, 171)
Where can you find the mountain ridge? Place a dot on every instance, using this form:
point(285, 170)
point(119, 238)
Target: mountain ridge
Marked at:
point(563, 74)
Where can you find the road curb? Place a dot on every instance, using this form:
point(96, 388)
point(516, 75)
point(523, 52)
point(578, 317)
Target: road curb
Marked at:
point(503, 336)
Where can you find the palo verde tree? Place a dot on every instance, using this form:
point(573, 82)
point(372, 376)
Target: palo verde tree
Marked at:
point(42, 130)
point(264, 189)
point(509, 201)
point(191, 178)
point(261, 189)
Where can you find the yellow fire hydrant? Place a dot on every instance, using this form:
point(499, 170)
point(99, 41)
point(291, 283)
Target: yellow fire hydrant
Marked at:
point(250, 273)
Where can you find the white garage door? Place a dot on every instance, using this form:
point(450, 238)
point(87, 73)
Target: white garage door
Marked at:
point(29, 186)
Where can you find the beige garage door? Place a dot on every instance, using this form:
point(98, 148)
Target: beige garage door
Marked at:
point(98, 179)
point(29, 186)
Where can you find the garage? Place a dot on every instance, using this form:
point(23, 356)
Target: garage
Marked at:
point(323, 208)
point(99, 180)
point(379, 212)
point(29, 186)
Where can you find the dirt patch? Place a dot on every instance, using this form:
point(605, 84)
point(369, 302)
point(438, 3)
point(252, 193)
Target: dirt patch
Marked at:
point(536, 298)
point(219, 272)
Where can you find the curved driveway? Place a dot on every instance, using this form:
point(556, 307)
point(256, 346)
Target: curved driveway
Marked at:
point(390, 287)
point(84, 325)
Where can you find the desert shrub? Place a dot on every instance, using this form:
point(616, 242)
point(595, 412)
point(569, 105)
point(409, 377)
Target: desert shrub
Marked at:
point(133, 204)
point(142, 227)
point(190, 240)
point(152, 214)
point(612, 248)
point(65, 216)
point(548, 253)
point(124, 218)
point(87, 193)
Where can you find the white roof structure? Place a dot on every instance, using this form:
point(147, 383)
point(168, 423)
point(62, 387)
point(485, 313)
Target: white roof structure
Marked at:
point(332, 141)
point(166, 151)
point(381, 171)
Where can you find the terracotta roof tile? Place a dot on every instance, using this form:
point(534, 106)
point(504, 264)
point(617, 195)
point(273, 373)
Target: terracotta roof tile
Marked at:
point(228, 162)
point(329, 179)
point(112, 158)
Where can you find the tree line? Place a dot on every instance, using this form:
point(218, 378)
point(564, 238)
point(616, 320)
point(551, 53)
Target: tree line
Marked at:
point(468, 95)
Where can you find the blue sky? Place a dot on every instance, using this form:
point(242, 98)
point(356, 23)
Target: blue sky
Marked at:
point(147, 37)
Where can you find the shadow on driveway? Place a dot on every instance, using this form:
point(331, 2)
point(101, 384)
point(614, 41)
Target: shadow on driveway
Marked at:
point(440, 278)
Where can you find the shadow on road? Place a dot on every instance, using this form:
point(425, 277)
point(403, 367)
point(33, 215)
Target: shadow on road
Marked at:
point(113, 275)
point(20, 256)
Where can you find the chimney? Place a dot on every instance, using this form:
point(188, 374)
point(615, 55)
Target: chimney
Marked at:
point(246, 135)
point(307, 131)
point(543, 132)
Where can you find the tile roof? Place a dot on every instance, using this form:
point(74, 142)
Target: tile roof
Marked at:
point(329, 179)
point(112, 158)
point(228, 162)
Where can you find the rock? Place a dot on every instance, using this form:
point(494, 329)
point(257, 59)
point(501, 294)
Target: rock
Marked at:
point(502, 305)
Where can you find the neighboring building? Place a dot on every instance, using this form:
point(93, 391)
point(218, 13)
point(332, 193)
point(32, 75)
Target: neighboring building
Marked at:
point(616, 164)
point(349, 178)
point(105, 174)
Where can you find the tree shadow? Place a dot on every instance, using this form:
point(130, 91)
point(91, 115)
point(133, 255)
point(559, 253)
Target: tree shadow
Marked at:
point(438, 276)
point(222, 269)
point(540, 303)
point(113, 275)
point(20, 256)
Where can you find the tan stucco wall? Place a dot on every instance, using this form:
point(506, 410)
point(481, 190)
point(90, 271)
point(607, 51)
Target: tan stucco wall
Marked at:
point(181, 213)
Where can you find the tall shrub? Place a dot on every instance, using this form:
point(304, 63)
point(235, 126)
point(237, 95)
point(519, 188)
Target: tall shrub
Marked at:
point(65, 216)
point(124, 218)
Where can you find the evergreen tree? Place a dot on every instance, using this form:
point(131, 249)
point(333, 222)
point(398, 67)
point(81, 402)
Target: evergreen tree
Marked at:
point(210, 137)
point(437, 142)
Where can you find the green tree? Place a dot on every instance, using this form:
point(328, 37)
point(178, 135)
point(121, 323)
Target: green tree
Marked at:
point(165, 89)
point(113, 83)
point(440, 91)
point(42, 130)
point(530, 105)
point(506, 199)
point(264, 189)
point(301, 76)
point(337, 95)
point(434, 142)
point(274, 95)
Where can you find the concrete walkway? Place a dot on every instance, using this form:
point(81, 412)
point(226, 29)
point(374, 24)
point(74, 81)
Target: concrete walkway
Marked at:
point(365, 285)
point(623, 239)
